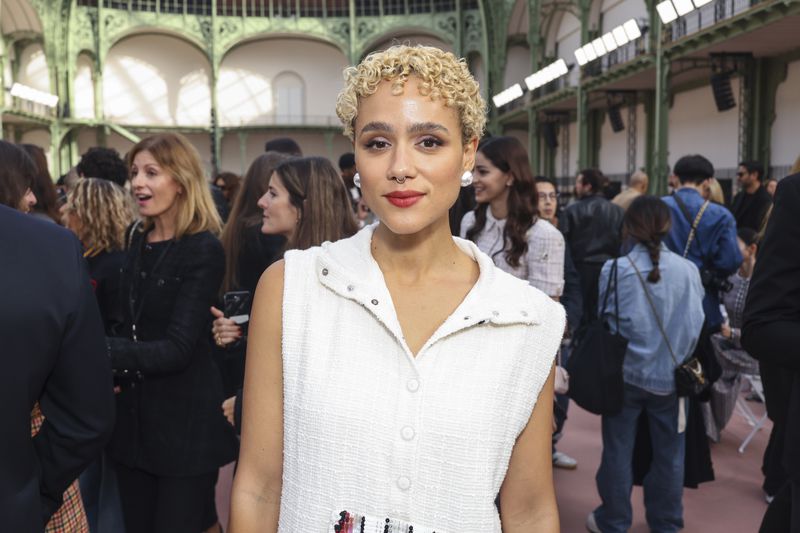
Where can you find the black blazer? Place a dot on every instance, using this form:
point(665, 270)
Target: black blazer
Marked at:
point(52, 351)
point(592, 227)
point(749, 210)
point(170, 423)
point(771, 331)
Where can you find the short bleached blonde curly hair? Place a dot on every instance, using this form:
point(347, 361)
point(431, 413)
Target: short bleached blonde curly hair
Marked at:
point(442, 75)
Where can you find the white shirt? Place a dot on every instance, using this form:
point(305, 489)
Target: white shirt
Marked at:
point(370, 428)
point(542, 265)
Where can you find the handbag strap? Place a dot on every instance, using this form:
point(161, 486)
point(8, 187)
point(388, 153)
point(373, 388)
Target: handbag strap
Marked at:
point(653, 307)
point(695, 223)
point(611, 275)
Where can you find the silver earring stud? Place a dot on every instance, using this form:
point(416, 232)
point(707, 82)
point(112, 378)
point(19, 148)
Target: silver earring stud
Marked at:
point(357, 180)
point(466, 178)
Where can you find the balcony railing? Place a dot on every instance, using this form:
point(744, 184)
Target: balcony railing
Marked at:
point(14, 103)
point(707, 16)
point(286, 8)
point(324, 121)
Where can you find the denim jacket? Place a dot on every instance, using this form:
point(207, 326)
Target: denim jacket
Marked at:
point(714, 244)
point(678, 298)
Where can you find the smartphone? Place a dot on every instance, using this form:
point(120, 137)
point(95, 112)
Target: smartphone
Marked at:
point(237, 306)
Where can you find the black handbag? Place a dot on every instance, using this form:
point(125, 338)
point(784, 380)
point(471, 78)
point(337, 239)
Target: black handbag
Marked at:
point(690, 380)
point(595, 364)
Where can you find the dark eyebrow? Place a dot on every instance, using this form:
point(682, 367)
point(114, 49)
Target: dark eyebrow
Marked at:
point(377, 126)
point(421, 127)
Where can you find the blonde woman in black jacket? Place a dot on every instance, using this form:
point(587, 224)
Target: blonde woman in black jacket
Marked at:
point(171, 437)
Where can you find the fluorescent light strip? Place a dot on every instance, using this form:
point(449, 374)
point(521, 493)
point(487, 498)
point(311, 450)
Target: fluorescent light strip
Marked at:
point(666, 12)
point(609, 42)
point(599, 48)
point(547, 74)
point(588, 49)
point(508, 95)
point(683, 7)
point(620, 36)
point(580, 56)
point(632, 29)
point(701, 3)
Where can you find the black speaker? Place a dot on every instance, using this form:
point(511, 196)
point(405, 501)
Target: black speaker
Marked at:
point(615, 117)
point(550, 134)
point(723, 92)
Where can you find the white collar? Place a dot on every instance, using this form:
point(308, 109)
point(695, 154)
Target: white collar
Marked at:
point(348, 269)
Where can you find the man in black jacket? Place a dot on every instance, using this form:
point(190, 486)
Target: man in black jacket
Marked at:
point(53, 352)
point(771, 333)
point(752, 202)
point(592, 227)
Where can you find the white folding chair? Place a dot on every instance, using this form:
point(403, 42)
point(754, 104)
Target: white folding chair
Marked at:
point(756, 422)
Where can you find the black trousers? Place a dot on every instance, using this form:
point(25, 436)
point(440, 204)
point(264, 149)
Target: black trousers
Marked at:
point(156, 504)
point(783, 514)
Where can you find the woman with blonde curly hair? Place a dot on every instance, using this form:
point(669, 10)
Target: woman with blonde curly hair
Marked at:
point(397, 380)
point(98, 212)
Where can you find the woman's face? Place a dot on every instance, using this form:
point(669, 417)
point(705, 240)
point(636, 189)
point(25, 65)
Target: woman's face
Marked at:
point(548, 200)
point(224, 188)
point(490, 183)
point(156, 192)
point(28, 201)
point(413, 137)
point(70, 219)
point(280, 216)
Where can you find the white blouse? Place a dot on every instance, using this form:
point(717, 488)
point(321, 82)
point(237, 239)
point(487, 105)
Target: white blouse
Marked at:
point(369, 428)
point(543, 263)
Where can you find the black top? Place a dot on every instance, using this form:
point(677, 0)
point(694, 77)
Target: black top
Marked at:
point(52, 350)
point(592, 227)
point(771, 331)
point(170, 423)
point(258, 252)
point(749, 210)
point(105, 271)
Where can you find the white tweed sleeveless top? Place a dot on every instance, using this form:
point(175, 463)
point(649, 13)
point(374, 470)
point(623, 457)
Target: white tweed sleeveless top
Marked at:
point(369, 428)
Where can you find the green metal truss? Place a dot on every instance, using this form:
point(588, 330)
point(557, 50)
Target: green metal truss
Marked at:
point(71, 29)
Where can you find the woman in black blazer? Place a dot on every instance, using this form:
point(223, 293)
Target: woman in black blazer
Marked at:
point(171, 437)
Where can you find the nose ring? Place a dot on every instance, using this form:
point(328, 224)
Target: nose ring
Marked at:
point(399, 179)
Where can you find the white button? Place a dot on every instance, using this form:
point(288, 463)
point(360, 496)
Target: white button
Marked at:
point(403, 483)
point(408, 433)
point(413, 385)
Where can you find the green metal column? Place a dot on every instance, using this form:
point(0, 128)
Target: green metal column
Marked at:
point(535, 47)
point(583, 94)
point(769, 74)
point(242, 151)
point(534, 153)
point(659, 167)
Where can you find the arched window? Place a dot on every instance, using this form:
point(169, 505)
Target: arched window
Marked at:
point(290, 99)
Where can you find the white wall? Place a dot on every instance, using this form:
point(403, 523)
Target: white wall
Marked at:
point(312, 144)
point(33, 68)
point(785, 144)
point(519, 21)
point(614, 146)
point(617, 12)
point(156, 80)
point(573, 153)
point(695, 126)
point(568, 39)
point(84, 88)
point(246, 92)
point(518, 65)
point(412, 39)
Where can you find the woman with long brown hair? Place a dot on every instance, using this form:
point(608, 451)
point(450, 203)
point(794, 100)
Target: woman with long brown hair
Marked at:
point(505, 224)
point(306, 203)
point(43, 187)
point(659, 297)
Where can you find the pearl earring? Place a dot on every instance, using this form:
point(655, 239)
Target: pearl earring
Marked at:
point(466, 178)
point(357, 180)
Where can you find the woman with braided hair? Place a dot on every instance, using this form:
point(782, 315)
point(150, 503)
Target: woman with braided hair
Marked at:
point(659, 296)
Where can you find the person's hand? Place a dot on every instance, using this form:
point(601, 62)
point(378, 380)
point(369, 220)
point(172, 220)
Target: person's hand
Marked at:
point(225, 330)
point(228, 409)
point(726, 330)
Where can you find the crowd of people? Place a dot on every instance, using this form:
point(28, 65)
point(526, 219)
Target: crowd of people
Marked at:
point(326, 329)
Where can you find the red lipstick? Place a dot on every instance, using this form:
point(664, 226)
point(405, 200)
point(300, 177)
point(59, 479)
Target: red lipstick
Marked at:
point(403, 198)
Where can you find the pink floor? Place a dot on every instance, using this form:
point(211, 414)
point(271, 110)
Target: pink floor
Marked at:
point(733, 503)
